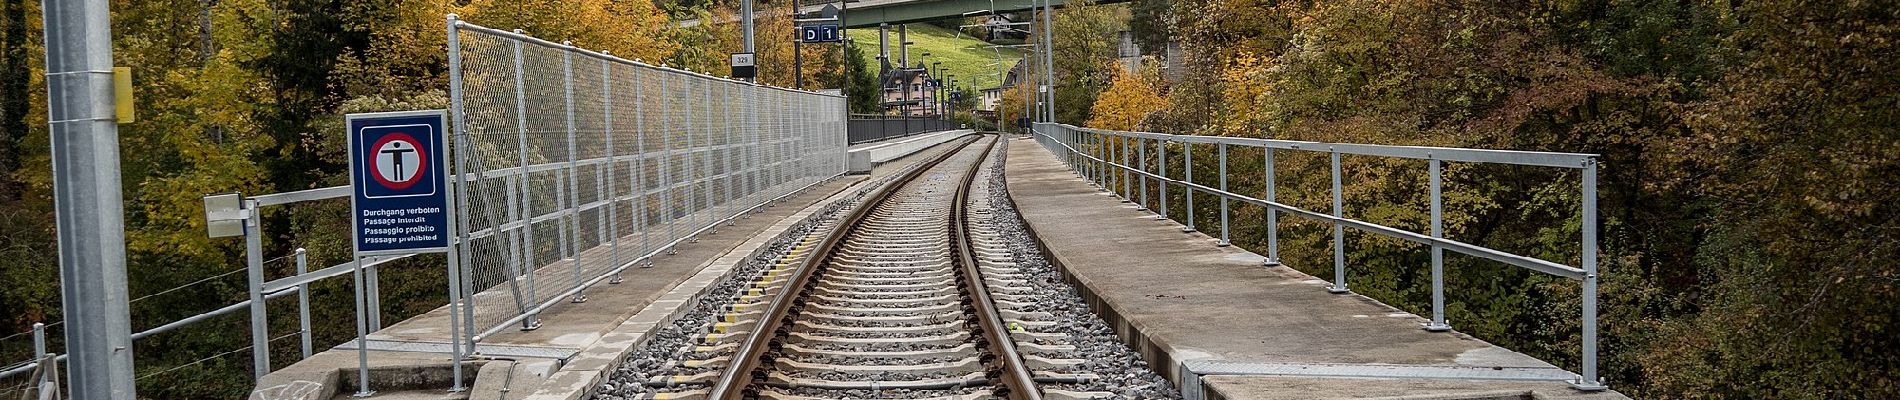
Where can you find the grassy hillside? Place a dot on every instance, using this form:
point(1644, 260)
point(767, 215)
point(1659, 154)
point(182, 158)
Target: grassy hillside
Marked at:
point(966, 57)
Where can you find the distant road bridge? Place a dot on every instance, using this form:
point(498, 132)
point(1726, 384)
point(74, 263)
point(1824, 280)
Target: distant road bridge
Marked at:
point(871, 13)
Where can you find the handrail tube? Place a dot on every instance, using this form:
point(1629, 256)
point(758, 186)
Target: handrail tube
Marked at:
point(234, 307)
point(1514, 157)
point(1527, 262)
point(1536, 264)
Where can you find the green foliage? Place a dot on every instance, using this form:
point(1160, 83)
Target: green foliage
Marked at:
point(246, 95)
point(1084, 42)
point(862, 80)
point(966, 56)
point(1749, 168)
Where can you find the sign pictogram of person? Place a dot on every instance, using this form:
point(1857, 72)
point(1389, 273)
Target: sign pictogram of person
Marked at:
point(398, 161)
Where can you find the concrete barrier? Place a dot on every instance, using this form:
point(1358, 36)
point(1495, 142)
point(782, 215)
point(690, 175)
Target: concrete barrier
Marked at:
point(860, 158)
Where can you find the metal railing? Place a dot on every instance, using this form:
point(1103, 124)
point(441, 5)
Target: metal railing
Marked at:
point(576, 165)
point(1110, 158)
point(866, 128)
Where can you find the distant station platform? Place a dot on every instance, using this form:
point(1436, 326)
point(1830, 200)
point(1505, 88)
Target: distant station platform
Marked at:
point(1221, 325)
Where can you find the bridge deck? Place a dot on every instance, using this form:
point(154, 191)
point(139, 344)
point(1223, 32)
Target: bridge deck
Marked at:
point(1249, 331)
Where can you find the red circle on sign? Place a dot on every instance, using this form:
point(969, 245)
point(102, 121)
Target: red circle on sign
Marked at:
point(422, 162)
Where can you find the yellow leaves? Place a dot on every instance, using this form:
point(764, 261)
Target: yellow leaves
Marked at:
point(1128, 101)
point(629, 29)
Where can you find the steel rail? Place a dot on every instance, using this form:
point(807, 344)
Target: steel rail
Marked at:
point(1017, 378)
point(739, 374)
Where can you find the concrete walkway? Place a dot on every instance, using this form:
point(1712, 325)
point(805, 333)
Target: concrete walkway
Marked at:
point(1229, 327)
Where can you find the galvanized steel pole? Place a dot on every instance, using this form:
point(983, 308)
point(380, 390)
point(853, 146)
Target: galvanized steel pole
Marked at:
point(1187, 161)
point(1589, 381)
point(87, 198)
point(1225, 239)
point(1273, 215)
point(254, 262)
point(745, 19)
point(1438, 251)
point(1339, 233)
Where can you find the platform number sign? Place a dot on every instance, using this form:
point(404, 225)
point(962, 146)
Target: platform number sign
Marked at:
point(820, 33)
point(399, 198)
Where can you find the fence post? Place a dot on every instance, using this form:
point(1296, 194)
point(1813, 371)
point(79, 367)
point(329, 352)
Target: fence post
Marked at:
point(462, 317)
point(692, 166)
point(456, 244)
point(1273, 214)
point(1438, 251)
point(640, 174)
point(525, 202)
point(303, 303)
point(362, 333)
point(1339, 232)
point(732, 212)
point(1589, 381)
point(260, 322)
point(1224, 238)
point(613, 161)
point(666, 178)
point(570, 217)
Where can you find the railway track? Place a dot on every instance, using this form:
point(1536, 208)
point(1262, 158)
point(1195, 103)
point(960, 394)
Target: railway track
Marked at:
point(916, 295)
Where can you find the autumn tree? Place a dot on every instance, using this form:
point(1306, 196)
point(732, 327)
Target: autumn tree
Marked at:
point(1130, 99)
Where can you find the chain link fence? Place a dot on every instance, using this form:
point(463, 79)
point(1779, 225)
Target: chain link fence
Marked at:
point(575, 165)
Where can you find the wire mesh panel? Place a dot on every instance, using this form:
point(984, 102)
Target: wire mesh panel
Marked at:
point(575, 165)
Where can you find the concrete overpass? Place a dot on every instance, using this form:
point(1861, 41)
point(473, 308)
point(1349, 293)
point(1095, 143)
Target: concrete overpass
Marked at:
point(871, 13)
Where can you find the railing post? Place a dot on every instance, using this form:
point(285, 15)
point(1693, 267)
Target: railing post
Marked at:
point(1161, 165)
point(1339, 232)
point(303, 304)
point(1224, 238)
point(640, 174)
point(260, 322)
point(1141, 151)
point(1187, 161)
point(1098, 147)
point(1273, 214)
point(1589, 381)
point(48, 366)
point(1438, 251)
point(1128, 192)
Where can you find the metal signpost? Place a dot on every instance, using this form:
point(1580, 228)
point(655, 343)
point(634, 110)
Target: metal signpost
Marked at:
point(399, 203)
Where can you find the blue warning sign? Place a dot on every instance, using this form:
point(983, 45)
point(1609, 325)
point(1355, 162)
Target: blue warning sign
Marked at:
point(398, 179)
